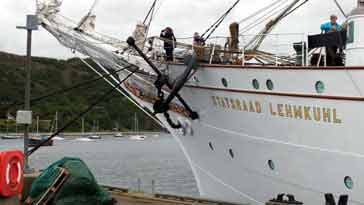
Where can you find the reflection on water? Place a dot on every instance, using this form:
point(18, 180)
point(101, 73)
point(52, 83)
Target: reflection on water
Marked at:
point(121, 162)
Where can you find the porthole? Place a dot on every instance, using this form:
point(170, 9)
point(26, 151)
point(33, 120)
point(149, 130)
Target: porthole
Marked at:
point(270, 84)
point(231, 153)
point(271, 165)
point(256, 84)
point(224, 82)
point(320, 87)
point(196, 79)
point(211, 146)
point(349, 183)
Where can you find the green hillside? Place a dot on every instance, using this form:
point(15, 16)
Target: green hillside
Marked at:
point(49, 75)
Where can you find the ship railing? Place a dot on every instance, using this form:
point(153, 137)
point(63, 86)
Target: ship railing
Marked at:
point(278, 50)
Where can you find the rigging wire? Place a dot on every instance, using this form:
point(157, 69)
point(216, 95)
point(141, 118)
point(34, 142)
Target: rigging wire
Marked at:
point(93, 6)
point(150, 15)
point(294, 9)
point(62, 91)
point(103, 98)
point(150, 12)
point(340, 8)
point(214, 26)
point(259, 11)
point(124, 94)
point(269, 14)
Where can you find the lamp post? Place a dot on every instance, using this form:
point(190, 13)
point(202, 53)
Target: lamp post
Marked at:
point(31, 25)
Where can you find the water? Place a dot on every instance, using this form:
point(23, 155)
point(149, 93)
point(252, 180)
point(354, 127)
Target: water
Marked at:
point(121, 162)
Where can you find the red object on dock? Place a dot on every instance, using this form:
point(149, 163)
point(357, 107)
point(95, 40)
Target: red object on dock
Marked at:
point(11, 172)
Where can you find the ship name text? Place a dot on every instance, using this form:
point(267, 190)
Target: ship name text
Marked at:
point(290, 111)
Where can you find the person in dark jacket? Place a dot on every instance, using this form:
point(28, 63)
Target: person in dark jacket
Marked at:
point(169, 43)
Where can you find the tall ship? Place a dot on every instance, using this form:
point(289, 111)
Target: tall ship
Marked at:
point(253, 122)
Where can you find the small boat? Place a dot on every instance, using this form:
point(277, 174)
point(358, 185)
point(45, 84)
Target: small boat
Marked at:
point(83, 139)
point(34, 141)
point(57, 138)
point(138, 137)
point(94, 137)
point(9, 137)
point(118, 135)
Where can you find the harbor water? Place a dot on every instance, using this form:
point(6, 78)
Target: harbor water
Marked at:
point(156, 163)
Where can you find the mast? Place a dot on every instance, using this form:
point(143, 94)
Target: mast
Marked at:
point(83, 126)
point(37, 125)
point(56, 126)
point(7, 127)
point(135, 124)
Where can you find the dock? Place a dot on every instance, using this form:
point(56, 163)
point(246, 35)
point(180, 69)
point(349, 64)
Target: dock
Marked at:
point(125, 197)
point(128, 197)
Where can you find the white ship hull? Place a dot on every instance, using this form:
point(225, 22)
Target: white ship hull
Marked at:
point(313, 140)
point(250, 144)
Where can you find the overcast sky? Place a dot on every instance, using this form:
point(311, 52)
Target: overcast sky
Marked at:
point(118, 18)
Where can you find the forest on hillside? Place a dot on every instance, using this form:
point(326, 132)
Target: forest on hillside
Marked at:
point(49, 75)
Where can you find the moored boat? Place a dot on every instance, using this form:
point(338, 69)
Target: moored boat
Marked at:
point(138, 137)
point(34, 141)
point(118, 135)
point(10, 137)
point(94, 137)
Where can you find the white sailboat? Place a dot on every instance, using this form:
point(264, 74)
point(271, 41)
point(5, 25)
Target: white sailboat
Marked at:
point(94, 136)
point(55, 126)
point(7, 136)
point(84, 138)
point(262, 125)
point(137, 136)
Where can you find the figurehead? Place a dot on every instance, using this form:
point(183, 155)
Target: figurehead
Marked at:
point(355, 36)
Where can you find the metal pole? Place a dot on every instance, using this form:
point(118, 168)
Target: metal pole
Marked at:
point(31, 24)
point(38, 125)
point(27, 97)
point(83, 126)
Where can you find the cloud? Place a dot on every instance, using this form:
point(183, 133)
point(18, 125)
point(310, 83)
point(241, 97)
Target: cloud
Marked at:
point(118, 18)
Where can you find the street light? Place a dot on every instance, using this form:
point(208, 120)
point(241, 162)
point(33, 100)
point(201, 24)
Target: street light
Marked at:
point(31, 25)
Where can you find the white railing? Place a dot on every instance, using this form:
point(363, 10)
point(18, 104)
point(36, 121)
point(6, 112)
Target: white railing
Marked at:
point(278, 50)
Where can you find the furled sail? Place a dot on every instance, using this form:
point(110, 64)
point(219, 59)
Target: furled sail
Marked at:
point(140, 34)
point(48, 7)
point(87, 23)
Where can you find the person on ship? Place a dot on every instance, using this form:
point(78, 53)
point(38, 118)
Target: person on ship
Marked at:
point(332, 56)
point(198, 40)
point(331, 26)
point(169, 42)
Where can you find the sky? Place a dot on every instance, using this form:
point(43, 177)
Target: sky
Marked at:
point(118, 18)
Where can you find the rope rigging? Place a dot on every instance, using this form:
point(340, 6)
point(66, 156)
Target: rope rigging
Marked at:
point(340, 8)
point(214, 26)
point(80, 115)
point(269, 14)
point(150, 15)
point(255, 43)
point(123, 93)
point(150, 12)
point(260, 11)
point(62, 91)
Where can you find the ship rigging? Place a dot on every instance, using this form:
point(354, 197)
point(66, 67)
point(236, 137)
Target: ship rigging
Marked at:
point(299, 131)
